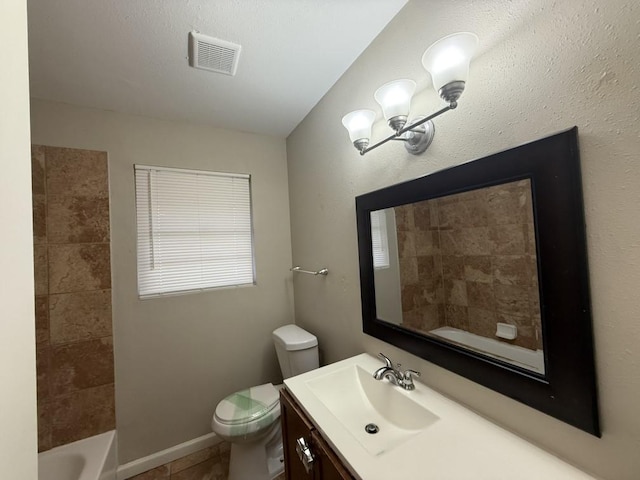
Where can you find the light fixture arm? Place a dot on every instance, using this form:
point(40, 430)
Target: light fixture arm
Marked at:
point(409, 128)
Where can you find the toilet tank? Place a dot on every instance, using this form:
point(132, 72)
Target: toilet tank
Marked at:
point(297, 350)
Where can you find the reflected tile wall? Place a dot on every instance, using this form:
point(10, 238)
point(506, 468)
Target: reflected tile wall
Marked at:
point(73, 294)
point(476, 259)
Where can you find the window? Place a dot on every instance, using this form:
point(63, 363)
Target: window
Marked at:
point(379, 240)
point(194, 230)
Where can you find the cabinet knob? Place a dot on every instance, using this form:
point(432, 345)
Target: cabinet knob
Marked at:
point(304, 453)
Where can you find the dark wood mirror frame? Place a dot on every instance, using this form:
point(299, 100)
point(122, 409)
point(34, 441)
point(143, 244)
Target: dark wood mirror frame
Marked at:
point(567, 390)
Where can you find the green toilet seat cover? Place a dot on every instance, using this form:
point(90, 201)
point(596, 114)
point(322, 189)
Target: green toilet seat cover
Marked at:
point(253, 404)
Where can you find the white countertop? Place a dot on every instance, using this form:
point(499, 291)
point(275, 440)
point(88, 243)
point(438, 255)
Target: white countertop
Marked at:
point(459, 445)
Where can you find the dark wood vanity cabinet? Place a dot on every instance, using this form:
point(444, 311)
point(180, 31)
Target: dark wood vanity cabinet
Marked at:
point(306, 454)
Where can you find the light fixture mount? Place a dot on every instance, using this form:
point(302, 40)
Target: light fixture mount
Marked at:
point(418, 139)
point(414, 129)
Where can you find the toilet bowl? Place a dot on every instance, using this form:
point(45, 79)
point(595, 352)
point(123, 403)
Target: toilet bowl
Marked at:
point(250, 419)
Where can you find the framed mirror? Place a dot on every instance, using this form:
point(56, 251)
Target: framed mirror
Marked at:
point(482, 269)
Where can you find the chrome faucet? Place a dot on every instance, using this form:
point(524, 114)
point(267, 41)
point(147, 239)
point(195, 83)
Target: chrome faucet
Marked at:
point(395, 375)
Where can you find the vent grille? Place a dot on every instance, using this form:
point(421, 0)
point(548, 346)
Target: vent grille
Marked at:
point(212, 54)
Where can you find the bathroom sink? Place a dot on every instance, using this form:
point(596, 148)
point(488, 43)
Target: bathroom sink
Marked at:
point(379, 415)
point(417, 428)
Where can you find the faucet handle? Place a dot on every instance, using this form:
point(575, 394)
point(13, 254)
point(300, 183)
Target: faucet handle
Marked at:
point(407, 379)
point(409, 372)
point(386, 360)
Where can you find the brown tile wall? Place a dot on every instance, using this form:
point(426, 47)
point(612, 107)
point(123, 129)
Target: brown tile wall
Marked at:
point(208, 464)
point(74, 343)
point(469, 261)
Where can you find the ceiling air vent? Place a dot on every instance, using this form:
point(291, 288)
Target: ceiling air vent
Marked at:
point(208, 53)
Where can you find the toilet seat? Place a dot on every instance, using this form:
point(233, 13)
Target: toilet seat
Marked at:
point(247, 412)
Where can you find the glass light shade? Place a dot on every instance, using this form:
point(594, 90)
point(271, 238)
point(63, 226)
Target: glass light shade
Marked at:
point(395, 97)
point(448, 59)
point(358, 123)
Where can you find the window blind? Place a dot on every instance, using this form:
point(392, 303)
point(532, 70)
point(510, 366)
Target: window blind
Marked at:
point(379, 240)
point(194, 230)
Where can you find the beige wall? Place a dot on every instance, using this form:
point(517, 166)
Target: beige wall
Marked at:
point(17, 324)
point(542, 67)
point(176, 357)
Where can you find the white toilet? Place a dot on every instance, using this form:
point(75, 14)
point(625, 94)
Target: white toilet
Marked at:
point(250, 419)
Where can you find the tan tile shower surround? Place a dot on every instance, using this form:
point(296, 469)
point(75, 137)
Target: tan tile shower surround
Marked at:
point(469, 261)
point(74, 347)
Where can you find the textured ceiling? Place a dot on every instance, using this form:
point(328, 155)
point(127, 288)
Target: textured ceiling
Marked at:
point(131, 56)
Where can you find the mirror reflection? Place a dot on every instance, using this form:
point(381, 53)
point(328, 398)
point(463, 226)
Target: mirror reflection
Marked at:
point(463, 268)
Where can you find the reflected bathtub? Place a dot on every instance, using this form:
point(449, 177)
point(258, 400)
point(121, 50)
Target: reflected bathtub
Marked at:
point(93, 458)
point(522, 357)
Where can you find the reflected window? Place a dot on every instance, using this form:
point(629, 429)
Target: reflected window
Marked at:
point(379, 239)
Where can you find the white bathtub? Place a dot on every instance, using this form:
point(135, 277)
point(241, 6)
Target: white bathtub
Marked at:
point(522, 357)
point(93, 458)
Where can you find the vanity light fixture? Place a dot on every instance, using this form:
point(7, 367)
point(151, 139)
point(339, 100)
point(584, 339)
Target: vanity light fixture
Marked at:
point(447, 61)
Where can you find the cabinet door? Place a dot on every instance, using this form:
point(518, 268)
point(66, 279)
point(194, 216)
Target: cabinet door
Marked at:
point(295, 425)
point(327, 464)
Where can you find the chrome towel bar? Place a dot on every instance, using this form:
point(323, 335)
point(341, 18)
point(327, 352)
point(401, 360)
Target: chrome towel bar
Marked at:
point(322, 271)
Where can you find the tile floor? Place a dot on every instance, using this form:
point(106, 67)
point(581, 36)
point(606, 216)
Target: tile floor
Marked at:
point(208, 464)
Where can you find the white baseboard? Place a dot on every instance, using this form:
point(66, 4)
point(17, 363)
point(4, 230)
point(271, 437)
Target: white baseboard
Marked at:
point(157, 459)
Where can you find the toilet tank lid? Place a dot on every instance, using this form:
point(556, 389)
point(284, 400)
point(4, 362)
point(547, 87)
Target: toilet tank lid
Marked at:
point(292, 337)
